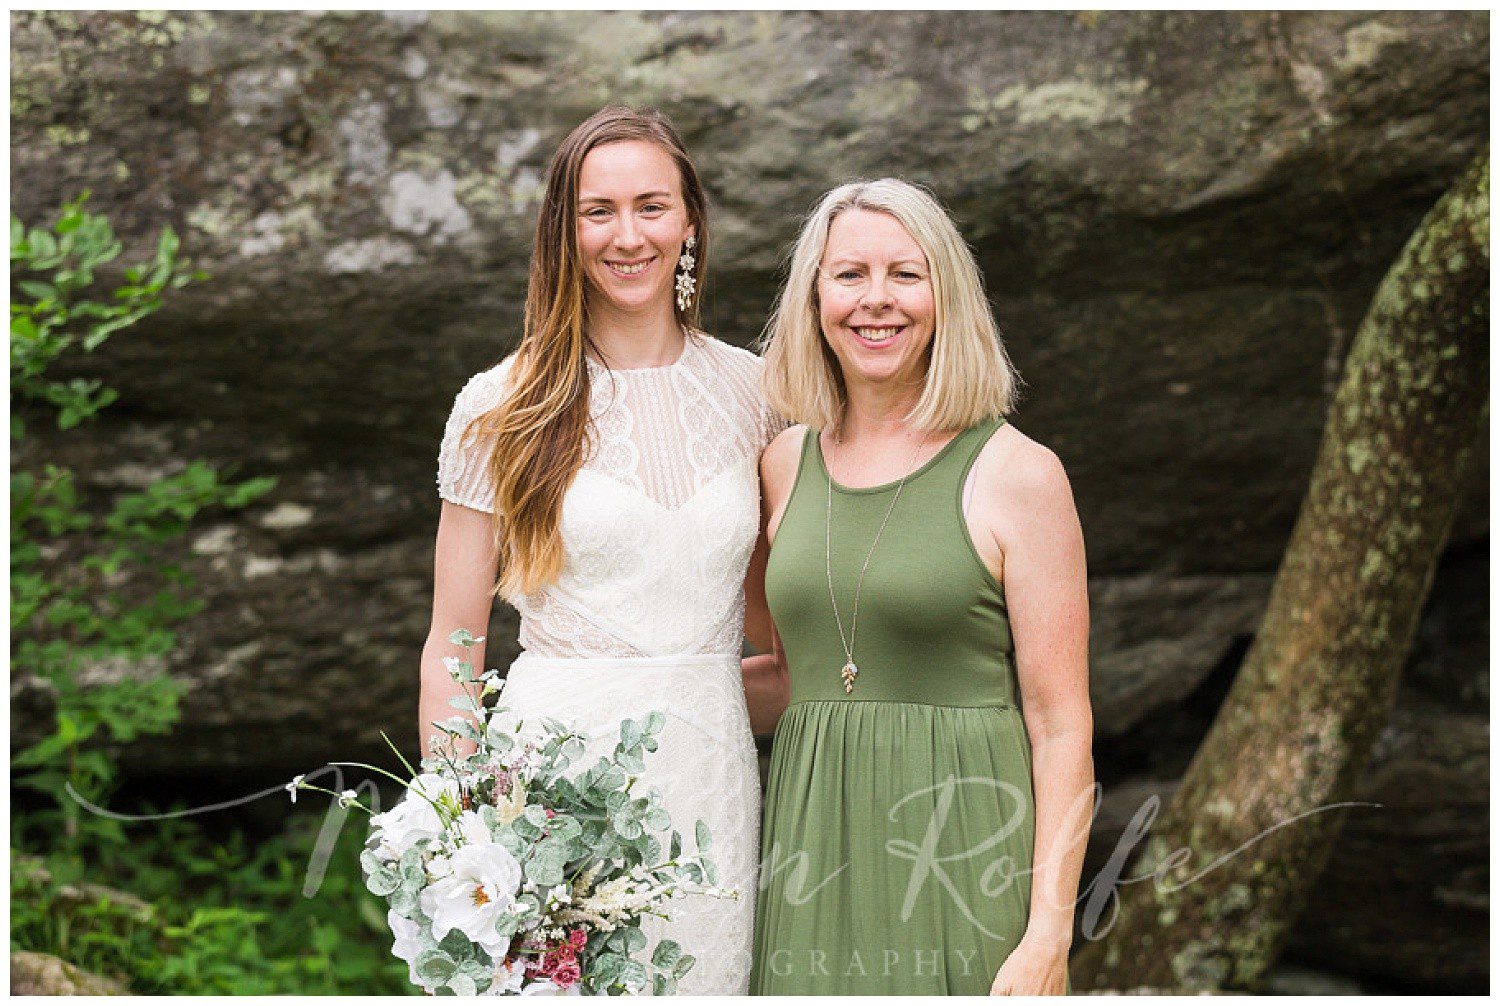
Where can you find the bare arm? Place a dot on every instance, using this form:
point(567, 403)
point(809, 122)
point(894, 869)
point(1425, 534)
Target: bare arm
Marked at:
point(758, 627)
point(767, 686)
point(1046, 591)
point(465, 567)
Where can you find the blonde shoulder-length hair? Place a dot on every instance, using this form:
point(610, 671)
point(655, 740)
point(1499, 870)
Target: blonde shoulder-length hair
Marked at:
point(969, 376)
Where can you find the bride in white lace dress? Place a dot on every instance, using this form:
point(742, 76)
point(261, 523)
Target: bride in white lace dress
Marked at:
point(606, 474)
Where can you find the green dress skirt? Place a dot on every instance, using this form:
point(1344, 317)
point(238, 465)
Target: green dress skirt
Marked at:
point(897, 847)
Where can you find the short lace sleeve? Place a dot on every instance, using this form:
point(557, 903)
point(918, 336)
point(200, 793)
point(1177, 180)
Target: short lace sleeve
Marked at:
point(742, 369)
point(772, 422)
point(464, 461)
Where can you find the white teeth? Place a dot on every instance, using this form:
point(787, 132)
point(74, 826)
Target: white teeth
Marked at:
point(877, 334)
point(629, 270)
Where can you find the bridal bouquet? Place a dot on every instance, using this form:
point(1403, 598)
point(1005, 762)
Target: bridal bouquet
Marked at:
point(515, 870)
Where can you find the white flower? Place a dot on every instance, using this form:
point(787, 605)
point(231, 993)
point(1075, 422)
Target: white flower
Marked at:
point(508, 979)
point(293, 786)
point(547, 987)
point(407, 945)
point(348, 798)
point(414, 819)
point(472, 829)
point(480, 888)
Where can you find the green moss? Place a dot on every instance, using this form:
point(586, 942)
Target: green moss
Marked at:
point(1357, 454)
point(1072, 102)
point(67, 136)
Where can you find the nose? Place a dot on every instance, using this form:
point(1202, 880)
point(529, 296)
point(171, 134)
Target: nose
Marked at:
point(627, 232)
point(876, 294)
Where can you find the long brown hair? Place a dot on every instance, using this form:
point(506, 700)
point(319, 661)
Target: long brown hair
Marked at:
point(541, 425)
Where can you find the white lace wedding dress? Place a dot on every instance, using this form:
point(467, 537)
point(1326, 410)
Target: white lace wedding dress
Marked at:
point(657, 531)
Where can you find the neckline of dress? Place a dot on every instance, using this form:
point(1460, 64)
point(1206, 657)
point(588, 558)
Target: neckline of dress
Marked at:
point(689, 344)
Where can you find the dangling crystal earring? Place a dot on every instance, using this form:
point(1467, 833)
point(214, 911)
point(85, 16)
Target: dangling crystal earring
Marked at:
point(685, 282)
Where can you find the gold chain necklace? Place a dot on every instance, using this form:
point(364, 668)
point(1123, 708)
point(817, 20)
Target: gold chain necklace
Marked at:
point(850, 669)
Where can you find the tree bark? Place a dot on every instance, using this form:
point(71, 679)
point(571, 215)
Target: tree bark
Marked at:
point(1250, 829)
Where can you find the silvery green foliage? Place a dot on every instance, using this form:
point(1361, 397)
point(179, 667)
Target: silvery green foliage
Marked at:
point(582, 834)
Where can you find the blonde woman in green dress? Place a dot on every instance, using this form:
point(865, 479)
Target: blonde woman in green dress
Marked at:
point(931, 780)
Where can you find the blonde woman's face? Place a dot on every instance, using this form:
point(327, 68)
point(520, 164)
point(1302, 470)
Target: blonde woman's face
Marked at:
point(632, 222)
point(875, 299)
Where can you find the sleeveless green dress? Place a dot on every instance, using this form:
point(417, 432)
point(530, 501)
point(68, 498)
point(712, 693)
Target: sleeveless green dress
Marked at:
point(896, 850)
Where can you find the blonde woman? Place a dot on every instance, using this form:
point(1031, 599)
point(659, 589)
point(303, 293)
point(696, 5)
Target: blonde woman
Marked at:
point(931, 775)
point(603, 480)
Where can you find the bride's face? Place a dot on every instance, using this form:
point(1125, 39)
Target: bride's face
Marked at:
point(632, 223)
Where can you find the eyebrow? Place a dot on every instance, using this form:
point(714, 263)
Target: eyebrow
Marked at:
point(846, 260)
point(586, 198)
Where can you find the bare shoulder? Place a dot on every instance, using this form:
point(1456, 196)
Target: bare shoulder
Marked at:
point(778, 462)
point(1016, 476)
point(778, 469)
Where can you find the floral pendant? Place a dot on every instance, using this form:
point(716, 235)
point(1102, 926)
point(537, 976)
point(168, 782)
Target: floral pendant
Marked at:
point(849, 673)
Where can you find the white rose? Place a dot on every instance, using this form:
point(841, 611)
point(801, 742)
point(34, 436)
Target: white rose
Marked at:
point(407, 946)
point(414, 819)
point(480, 887)
point(472, 829)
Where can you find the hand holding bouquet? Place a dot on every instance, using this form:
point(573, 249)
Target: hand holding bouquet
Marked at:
point(514, 870)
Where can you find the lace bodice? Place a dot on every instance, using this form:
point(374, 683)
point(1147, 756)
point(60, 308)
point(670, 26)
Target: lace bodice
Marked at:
point(658, 526)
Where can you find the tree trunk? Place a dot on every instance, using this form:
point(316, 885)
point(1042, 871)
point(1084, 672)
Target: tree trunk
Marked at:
point(1247, 832)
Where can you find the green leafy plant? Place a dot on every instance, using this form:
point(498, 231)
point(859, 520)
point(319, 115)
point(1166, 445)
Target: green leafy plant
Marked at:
point(96, 595)
point(210, 915)
point(72, 558)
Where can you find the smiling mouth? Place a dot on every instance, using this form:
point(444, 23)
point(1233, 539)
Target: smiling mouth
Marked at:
point(628, 268)
point(877, 334)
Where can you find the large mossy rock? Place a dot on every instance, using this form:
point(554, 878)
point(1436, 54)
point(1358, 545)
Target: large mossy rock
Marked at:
point(1181, 219)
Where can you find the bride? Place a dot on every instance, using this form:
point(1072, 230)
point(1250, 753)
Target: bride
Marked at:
point(603, 480)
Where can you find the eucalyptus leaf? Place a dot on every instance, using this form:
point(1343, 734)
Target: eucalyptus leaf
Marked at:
point(630, 734)
point(457, 946)
point(383, 882)
point(435, 967)
point(668, 952)
point(405, 900)
point(607, 968)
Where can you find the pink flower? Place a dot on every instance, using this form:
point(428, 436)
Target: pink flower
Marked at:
point(577, 938)
point(567, 973)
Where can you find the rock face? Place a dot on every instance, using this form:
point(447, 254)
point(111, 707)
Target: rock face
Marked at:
point(34, 974)
point(1181, 218)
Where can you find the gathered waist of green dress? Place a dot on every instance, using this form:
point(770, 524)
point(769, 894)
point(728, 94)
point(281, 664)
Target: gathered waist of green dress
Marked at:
point(1001, 706)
